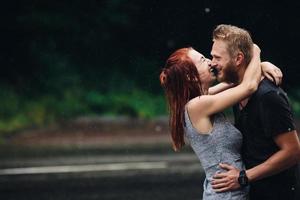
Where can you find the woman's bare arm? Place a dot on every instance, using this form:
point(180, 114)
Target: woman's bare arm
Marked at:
point(220, 87)
point(269, 70)
point(272, 72)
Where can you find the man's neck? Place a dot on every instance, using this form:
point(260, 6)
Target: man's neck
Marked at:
point(241, 72)
point(244, 102)
point(205, 89)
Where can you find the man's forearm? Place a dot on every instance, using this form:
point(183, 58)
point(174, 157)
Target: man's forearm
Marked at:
point(278, 162)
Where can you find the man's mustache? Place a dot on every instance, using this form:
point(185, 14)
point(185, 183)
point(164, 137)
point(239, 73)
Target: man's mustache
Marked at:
point(214, 70)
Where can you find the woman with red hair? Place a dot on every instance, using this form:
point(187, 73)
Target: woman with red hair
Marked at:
point(195, 111)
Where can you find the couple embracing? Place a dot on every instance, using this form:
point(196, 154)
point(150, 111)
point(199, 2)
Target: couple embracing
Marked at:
point(257, 157)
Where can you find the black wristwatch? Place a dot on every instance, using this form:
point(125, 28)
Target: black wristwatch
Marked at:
point(243, 179)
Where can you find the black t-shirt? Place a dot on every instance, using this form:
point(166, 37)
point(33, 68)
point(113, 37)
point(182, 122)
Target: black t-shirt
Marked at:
point(266, 115)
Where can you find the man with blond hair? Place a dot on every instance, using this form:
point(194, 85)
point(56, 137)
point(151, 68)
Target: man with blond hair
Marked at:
point(271, 148)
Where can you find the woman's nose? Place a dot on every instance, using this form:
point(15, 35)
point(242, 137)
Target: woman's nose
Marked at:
point(209, 62)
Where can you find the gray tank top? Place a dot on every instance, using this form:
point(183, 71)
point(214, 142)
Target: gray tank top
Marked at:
point(221, 145)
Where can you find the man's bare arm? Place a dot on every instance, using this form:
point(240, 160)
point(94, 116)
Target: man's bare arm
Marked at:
point(287, 156)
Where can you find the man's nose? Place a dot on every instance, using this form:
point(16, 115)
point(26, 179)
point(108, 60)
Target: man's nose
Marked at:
point(212, 63)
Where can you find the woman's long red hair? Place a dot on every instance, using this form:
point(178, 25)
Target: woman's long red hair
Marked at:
point(181, 82)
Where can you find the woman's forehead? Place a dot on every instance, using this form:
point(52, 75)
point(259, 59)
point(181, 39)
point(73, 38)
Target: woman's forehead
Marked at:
point(195, 55)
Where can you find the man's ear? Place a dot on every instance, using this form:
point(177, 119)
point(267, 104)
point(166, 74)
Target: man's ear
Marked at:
point(239, 58)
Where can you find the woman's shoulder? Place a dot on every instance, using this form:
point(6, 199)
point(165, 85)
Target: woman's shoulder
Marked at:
point(196, 107)
point(198, 103)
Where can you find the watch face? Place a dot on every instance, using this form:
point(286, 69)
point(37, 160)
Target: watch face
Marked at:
point(243, 179)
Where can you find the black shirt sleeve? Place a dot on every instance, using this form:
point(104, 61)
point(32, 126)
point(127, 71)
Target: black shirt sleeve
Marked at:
point(276, 114)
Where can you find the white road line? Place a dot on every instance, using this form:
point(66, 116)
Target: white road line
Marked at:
point(84, 168)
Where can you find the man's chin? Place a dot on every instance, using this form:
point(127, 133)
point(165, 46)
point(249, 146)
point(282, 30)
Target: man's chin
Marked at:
point(220, 79)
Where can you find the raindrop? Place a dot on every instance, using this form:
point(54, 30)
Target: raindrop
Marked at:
point(158, 128)
point(207, 10)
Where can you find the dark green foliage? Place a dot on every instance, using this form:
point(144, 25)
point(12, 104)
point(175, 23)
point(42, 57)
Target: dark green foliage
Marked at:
point(61, 59)
point(19, 113)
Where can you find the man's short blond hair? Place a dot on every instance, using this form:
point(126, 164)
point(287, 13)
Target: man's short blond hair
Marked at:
point(237, 39)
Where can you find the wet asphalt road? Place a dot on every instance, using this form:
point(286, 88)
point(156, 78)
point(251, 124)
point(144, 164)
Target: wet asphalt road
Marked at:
point(92, 186)
point(106, 175)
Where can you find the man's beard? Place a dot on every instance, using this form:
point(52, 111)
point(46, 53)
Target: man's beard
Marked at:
point(230, 74)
